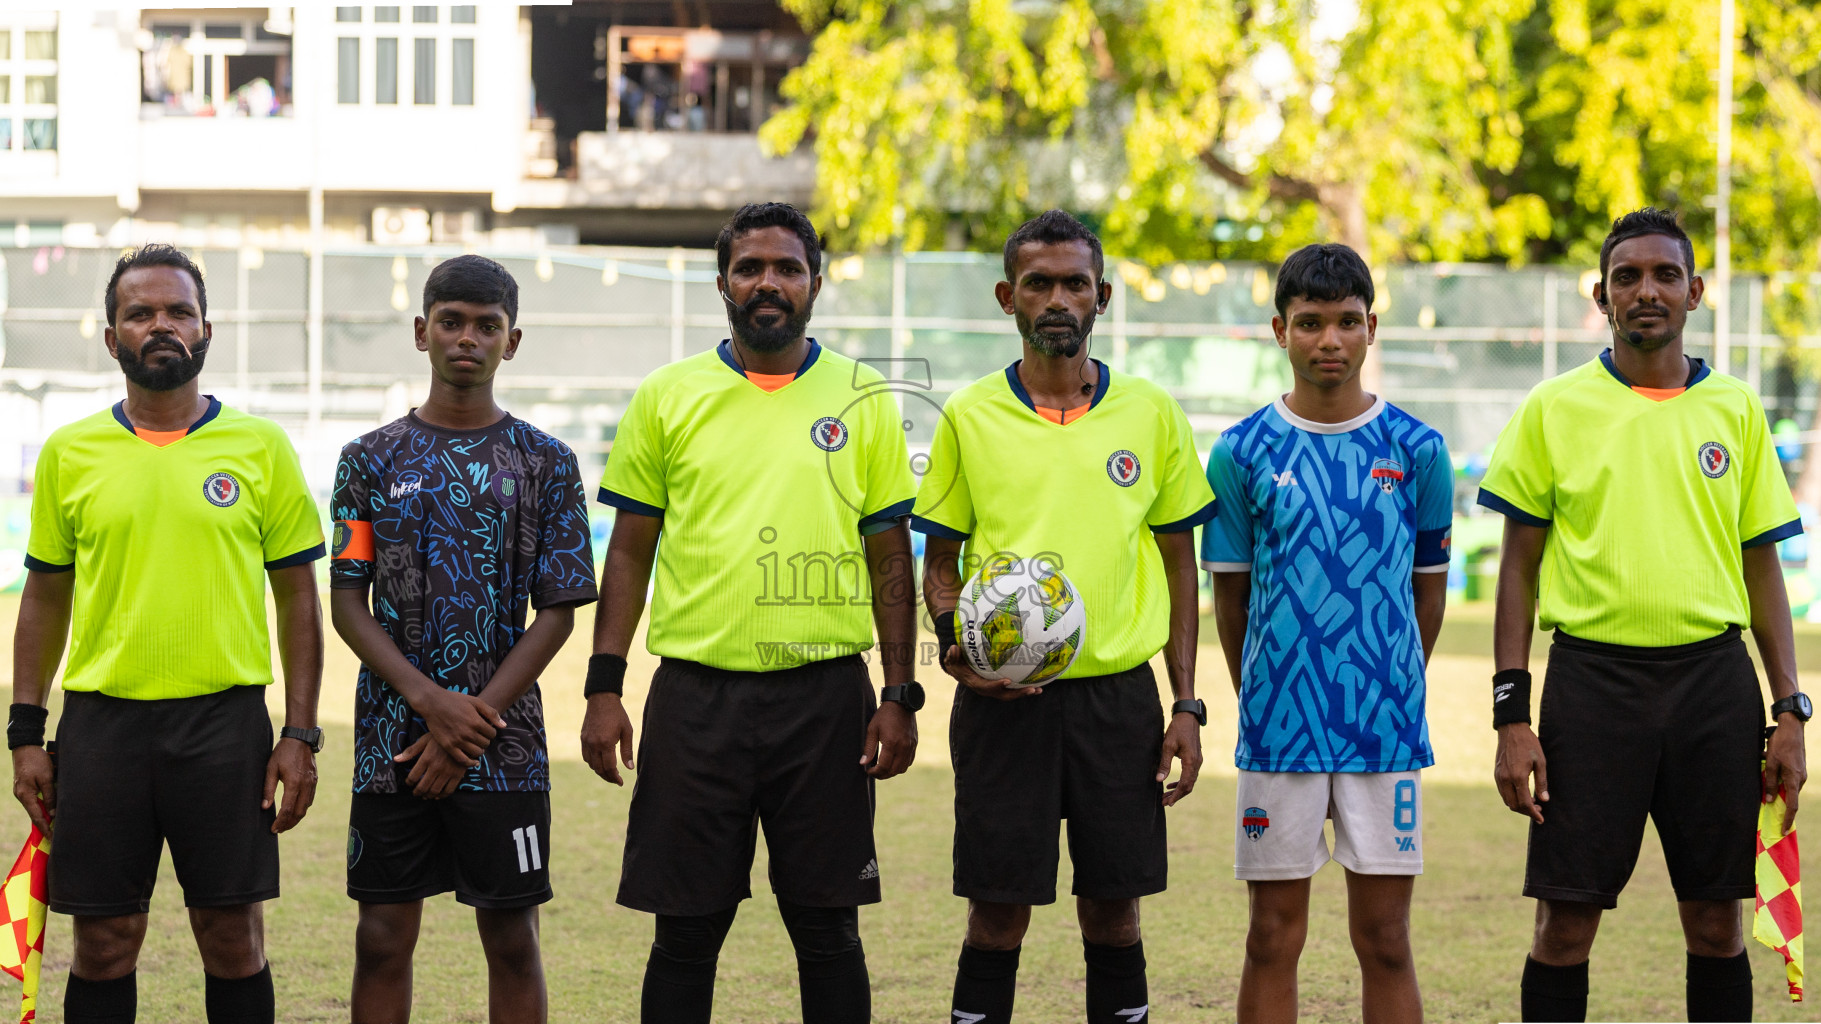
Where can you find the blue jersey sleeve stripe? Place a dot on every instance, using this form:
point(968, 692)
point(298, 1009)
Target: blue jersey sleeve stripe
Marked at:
point(1506, 508)
point(625, 504)
point(40, 565)
point(1202, 515)
point(1432, 547)
point(935, 529)
point(304, 557)
point(1771, 536)
point(886, 515)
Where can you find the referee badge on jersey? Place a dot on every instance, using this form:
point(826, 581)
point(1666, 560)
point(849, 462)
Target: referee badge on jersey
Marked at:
point(221, 489)
point(830, 434)
point(1715, 459)
point(1123, 467)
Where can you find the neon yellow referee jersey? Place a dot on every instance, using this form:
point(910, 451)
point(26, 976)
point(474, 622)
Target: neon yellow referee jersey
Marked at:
point(1010, 479)
point(766, 487)
point(170, 539)
point(1649, 497)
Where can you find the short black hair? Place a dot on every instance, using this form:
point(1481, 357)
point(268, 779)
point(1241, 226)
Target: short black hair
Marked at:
point(754, 216)
point(1325, 272)
point(155, 254)
point(1639, 223)
point(476, 279)
point(1052, 227)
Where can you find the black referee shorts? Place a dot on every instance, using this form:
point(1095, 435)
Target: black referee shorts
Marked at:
point(1672, 733)
point(133, 775)
point(1086, 750)
point(725, 752)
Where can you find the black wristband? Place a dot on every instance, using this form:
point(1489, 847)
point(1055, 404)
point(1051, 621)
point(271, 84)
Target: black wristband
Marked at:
point(945, 633)
point(25, 726)
point(606, 674)
point(1510, 696)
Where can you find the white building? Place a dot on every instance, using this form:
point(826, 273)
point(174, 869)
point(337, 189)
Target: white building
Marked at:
point(396, 125)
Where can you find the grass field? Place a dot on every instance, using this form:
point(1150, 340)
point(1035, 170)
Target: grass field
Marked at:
point(1471, 927)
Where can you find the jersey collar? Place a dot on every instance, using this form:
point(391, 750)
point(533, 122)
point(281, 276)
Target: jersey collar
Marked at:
point(1283, 410)
point(208, 414)
point(1697, 370)
point(725, 351)
point(1100, 389)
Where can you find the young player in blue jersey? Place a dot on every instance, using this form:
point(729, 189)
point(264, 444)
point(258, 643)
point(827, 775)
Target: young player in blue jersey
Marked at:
point(1329, 554)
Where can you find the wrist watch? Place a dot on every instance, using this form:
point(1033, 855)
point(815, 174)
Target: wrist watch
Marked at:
point(909, 694)
point(1191, 706)
point(311, 738)
point(1796, 704)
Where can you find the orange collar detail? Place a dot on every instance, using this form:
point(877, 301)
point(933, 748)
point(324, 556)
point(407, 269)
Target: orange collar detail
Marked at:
point(1658, 394)
point(769, 382)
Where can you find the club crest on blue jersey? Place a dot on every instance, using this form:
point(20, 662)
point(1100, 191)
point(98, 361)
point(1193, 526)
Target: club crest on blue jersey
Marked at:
point(830, 434)
point(1387, 474)
point(1123, 467)
point(1714, 459)
point(1255, 821)
point(221, 489)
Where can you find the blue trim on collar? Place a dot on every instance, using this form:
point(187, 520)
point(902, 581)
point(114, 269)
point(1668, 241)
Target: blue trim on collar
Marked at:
point(725, 351)
point(1201, 516)
point(1698, 370)
point(208, 414)
point(1775, 533)
point(1508, 510)
point(1100, 389)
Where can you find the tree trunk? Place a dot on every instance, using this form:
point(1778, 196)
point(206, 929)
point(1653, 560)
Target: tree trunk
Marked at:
point(1344, 205)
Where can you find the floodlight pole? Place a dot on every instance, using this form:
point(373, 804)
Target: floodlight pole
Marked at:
point(1722, 300)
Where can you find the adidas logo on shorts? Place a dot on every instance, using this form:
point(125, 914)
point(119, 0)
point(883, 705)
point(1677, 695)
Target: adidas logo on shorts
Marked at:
point(870, 871)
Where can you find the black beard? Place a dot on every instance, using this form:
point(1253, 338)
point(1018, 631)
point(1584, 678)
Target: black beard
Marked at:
point(170, 376)
point(775, 338)
point(1067, 348)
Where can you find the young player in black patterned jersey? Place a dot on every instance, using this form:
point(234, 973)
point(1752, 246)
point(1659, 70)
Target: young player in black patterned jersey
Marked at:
point(460, 518)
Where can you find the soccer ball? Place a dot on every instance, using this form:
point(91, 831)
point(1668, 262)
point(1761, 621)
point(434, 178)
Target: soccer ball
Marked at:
point(1021, 621)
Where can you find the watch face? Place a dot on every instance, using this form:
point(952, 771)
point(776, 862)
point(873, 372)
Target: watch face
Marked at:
point(1805, 708)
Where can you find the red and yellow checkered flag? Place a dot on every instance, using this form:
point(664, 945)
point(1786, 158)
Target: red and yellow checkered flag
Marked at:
point(1778, 920)
point(26, 894)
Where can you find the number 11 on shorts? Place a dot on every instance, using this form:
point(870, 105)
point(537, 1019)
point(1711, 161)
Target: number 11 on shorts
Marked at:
point(526, 840)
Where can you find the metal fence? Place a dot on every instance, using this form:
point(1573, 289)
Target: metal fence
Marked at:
point(1460, 344)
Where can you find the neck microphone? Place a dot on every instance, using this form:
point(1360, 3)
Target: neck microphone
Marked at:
point(1636, 337)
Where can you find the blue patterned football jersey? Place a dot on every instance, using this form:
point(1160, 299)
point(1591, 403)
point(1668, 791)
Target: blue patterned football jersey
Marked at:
point(1331, 519)
point(459, 534)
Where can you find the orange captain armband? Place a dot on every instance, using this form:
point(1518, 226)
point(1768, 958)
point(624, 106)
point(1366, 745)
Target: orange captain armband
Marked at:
point(353, 541)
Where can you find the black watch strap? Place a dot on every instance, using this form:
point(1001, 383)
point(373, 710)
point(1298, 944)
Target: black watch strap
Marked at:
point(908, 694)
point(1193, 706)
point(1797, 704)
point(311, 738)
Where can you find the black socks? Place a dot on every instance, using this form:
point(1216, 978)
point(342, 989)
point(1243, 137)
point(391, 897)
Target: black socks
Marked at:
point(246, 1000)
point(1719, 987)
point(101, 1002)
point(1116, 984)
point(986, 980)
point(1554, 993)
point(831, 963)
point(679, 977)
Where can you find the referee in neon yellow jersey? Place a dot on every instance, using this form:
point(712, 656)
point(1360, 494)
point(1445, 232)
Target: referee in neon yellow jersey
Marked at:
point(1059, 454)
point(1643, 504)
point(155, 527)
point(776, 473)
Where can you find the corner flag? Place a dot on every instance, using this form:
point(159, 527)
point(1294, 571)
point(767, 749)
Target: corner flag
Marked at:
point(23, 908)
point(1777, 921)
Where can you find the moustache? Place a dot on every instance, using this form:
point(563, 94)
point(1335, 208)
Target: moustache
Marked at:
point(1058, 320)
point(758, 302)
point(1638, 311)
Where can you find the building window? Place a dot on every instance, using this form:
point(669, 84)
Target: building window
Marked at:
point(28, 81)
point(462, 14)
point(214, 64)
point(423, 70)
point(424, 15)
point(347, 14)
point(386, 14)
point(347, 70)
point(385, 70)
point(461, 72)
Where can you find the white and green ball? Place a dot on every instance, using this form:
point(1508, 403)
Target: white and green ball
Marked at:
point(1020, 620)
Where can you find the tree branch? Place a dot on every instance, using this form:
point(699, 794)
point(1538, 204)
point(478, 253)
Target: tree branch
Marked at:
point(1279, 186)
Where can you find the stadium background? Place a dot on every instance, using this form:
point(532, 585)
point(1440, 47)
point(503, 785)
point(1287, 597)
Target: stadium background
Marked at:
point(294, 151)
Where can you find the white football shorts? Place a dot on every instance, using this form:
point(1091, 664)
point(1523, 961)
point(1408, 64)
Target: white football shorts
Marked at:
point(1378, 823)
